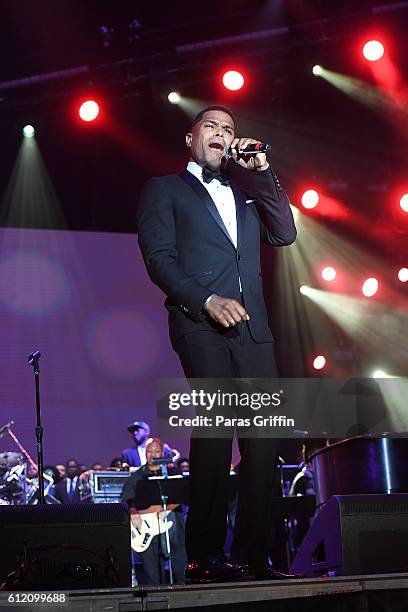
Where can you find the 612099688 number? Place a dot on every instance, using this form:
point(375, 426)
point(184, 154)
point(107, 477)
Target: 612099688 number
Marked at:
point(34, 598)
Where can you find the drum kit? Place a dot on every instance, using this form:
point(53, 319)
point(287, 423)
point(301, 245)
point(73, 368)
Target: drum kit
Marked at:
point(18, 476)
point(13, 479)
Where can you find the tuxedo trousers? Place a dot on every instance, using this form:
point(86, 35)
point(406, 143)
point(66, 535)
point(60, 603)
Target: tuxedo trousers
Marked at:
point(229, 354)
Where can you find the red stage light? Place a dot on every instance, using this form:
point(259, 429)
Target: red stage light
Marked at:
point(370, 287)
point(329, 273)
point(310, 198)
point(89, 110)
point(404, 202)
point(403, 275)
point(319, 362)
point(373, 50)
point(233, 80)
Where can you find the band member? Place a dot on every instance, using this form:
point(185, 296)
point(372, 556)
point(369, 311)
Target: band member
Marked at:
point(136, 456)
point(61, 470)
point(67, 489)
point(199, 234)
point(154, 556)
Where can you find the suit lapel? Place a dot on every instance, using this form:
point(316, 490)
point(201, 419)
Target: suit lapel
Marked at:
point(240, 206)
point(207, 200)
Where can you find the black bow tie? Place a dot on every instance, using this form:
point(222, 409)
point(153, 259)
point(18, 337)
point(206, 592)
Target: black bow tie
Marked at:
point(209, 175)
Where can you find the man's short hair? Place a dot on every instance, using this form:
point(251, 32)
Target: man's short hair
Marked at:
point(214, 107)
point(71, 461)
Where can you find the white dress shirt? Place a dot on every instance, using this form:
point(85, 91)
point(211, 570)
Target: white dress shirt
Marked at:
point(73, 485)
point(222, 197)
point(142, 454)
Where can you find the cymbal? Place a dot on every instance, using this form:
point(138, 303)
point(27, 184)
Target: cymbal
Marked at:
point(9, 458)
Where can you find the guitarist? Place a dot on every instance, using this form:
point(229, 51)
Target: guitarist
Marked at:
point(156, 552)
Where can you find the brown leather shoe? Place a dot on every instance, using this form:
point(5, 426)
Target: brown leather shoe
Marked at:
point(213, 570)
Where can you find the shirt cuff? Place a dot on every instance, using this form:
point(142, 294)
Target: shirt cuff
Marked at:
point(263, 168)
point(207, 300)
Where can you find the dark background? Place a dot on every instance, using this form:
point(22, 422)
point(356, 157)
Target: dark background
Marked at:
point(319, 135)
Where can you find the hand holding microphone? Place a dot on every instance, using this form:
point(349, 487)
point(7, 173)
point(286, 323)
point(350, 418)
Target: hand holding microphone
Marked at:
point(250, 153)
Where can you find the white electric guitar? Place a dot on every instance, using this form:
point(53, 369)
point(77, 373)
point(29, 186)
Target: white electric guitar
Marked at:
point(151, 524)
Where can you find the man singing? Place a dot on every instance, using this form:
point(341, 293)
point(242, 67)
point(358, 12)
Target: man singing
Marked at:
point(200, 234)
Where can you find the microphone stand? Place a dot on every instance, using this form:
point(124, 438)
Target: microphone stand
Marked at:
point(164, 499)
point(164, 462)
point(33, 360)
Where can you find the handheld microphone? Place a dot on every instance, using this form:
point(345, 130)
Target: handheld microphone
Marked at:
point(253, 149)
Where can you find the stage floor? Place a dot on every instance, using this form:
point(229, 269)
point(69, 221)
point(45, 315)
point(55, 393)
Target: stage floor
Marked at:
point(358, 593)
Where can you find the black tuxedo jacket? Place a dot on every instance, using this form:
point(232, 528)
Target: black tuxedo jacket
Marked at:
point(62, 494)
point(189, 254)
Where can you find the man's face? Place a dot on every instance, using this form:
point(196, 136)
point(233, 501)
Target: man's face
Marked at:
point(184, 466)
point(140, 435)
point(72, 469)
point(61, 470)
point(153, 451)
point(210, 138)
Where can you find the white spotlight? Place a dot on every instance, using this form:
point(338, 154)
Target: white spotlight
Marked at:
point(329, 273)
point(28, 131)
point(174, 97)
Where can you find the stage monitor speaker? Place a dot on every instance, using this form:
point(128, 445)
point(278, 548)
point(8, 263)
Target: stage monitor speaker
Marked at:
point(68, 546)
point(356, 534)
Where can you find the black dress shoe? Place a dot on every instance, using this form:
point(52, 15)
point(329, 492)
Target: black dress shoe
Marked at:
point(213, 570)
point(268, 573)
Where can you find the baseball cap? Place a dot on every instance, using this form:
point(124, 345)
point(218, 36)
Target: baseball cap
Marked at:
point(138, 425)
